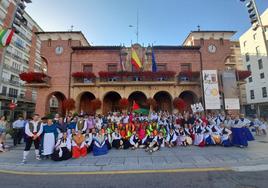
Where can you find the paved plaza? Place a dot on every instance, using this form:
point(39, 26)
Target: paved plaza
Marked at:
point(254, 157)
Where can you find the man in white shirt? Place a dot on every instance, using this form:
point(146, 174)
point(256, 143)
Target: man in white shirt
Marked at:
point(18, 127)
point(33, 130)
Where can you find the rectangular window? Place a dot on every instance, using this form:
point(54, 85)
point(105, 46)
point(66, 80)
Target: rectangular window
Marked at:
point(260, 64)
point(13, 92)
point(254, 36)
point(247, 57)
point(262, 75)
point(264, 92)
point(258, 52)
point(112, 67)
point(249, 67)
point(186, 67)
point(252, 96)
point(250, 79)
point(245, 43)
point(161, 67)
point(87, 68)
point(4, 90)
point(202, 42)
point(221, 41)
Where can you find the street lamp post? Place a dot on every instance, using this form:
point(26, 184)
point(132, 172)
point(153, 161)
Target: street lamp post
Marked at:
point(255, 18)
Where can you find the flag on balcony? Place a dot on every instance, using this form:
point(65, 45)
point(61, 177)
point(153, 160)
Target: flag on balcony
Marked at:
point(135, 60)
point(154, 65)
point(137, 109)
point(6, 37)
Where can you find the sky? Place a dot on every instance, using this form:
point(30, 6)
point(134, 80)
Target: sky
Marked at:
point(161, 22)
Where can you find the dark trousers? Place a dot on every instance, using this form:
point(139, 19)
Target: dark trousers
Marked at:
point(30, 141)
point(18, 135)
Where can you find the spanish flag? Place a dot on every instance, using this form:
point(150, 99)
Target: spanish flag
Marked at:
point(135, 61)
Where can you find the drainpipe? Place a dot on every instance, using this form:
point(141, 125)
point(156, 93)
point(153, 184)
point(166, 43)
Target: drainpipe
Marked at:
point(70, 74)
point(201, 77)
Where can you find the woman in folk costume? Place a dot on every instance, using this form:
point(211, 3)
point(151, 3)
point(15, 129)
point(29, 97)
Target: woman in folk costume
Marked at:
point(61, 127)
point(117, 141)
point(88, 141)
point(171, 139)
point(134, 140)
point(208, 135)
point(215, 131)
point(146, 140)
point(199, 134)
point(188, 135)
point(62, 149)
point(245, 124)
point(141, 131)
point(71, 125)
point(49, 136)
point(181, 139)
point(156, 143)
point(79, 145)
point(125, 137)
point(225, 135)
point(109, 138)
point(100, 146)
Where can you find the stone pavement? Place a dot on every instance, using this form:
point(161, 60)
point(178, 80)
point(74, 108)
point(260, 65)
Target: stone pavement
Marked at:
point(180, 157)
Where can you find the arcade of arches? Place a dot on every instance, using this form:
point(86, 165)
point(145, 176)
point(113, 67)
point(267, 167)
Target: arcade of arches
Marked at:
point(110, 99)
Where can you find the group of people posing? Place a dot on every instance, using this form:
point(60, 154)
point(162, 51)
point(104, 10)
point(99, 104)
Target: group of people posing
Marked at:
point(62, 138)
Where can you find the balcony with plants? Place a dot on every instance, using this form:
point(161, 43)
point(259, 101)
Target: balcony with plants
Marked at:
point(35, 79)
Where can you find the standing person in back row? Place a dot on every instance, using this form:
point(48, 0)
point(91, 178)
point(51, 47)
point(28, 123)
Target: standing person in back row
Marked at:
point(33, 130)
point(18, 127)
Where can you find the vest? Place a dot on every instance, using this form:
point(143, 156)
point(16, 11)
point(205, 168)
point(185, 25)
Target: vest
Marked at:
point(80, 125)
point(31, 126)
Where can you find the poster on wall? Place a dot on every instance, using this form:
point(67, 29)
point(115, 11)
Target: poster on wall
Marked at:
point(231, 95)
point(211, 90)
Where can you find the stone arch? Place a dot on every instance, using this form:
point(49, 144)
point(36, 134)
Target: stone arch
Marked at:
point(54, 103)
point(164, 101)
point(111, 102)
point(189, 97)
point(84, 99)
point(139, 97)
point(44, 65)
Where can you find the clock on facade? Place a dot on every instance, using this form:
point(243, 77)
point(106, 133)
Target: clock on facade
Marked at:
point(212, 48)
point(59, 50)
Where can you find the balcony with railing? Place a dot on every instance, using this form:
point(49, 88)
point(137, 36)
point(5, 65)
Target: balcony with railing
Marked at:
point(137, 78)
point(35, 79)
point(12, 69)
point(189, 78)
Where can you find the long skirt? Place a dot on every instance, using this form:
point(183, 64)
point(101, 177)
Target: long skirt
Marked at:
point(248, 134)
point(180, 140)
point(209, 140)
point(226, 143)
point(239, 137)
point(199, 138)
point(79, 152)
point(66, 154)
point(48, 143)
point(100, 150)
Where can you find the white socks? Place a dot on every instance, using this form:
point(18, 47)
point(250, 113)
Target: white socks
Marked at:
point(25, 154)
point(37, 153)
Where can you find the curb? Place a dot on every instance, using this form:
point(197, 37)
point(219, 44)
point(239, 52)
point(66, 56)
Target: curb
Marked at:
point(117, 172)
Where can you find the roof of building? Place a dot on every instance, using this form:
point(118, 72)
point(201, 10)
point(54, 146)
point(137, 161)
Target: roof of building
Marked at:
point(64, 32)
point(208, 31)
point(176, 47)
point(97, 47)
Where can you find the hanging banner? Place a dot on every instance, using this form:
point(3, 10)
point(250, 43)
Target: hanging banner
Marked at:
point(211, 90)
point(231, 95)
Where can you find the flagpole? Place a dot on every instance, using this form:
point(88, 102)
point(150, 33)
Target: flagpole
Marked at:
point(137, 33)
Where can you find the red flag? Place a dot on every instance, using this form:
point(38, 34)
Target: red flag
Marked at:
point(135, 106)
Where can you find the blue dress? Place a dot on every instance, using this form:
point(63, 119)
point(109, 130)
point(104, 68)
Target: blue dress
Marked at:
point(48, 141)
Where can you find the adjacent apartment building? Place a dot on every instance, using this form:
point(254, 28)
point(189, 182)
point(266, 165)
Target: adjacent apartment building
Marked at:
point(22, 55)
point(255, 59)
